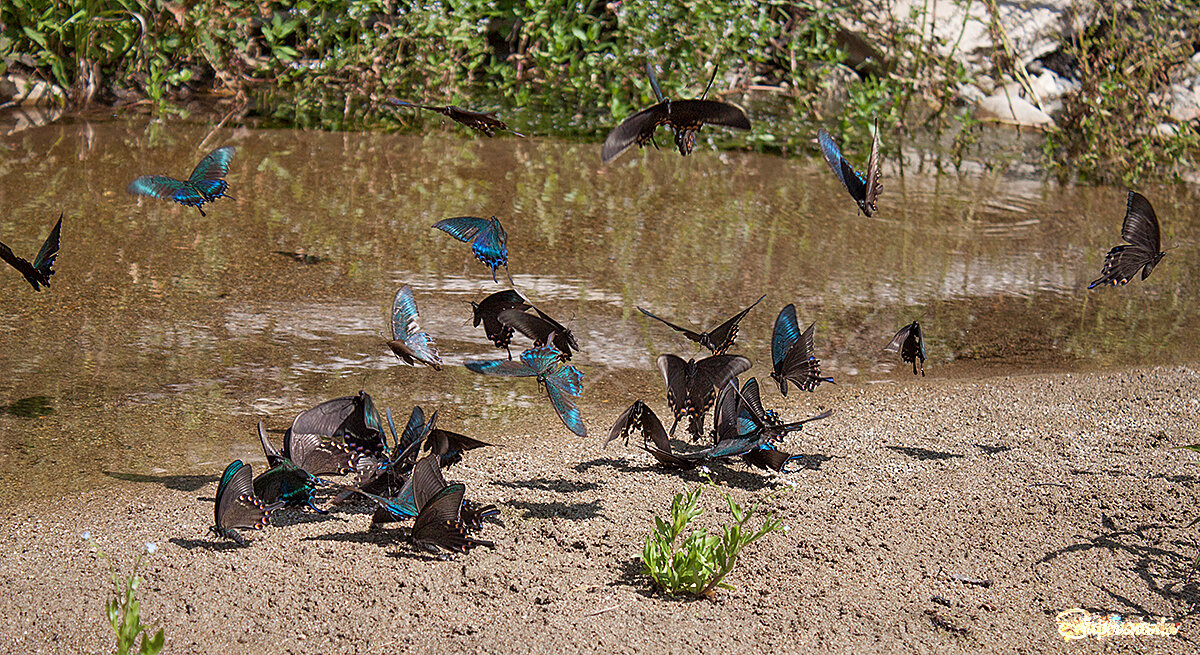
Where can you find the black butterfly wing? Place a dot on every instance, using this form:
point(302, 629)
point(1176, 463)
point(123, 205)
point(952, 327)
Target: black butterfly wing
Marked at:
point(272, 455)
point(38, 273)
point(472, 515)
point(443, 442)
point(639, 416)
point(486, 122)
point(873, 186)
point(324, 419)
point(427, 479)
point(721, 338)
point(540, 328)
point(767, 457)
point(1140, 226)
point(691, 114)
point(320, 456)
point(362, 430)
point(487, 311)
point(675, 374)
point(898, 340)
point(563, 338)
point(800, 365)
point(711, 373)
point(237, 506)
point(438, 524)
point(694, 336)
point(638, 129)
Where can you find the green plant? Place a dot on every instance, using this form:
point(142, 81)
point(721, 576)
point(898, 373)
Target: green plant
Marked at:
point(698, 565)
point(124, 610)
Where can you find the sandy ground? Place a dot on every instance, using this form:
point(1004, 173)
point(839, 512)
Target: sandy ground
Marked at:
point(1062, 490)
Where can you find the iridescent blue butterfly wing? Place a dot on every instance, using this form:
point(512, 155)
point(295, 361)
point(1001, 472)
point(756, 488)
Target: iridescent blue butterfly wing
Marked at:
point(542, 358)
point(408, 341)
point(166, 188)
point(208, 176)
point(413, 431)
point(564, 386)
point(787, 332)
point(489, 241)
point(854, 181)
point(501, 367)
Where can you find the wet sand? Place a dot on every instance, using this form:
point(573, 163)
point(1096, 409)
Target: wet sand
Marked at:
point(1061, 490)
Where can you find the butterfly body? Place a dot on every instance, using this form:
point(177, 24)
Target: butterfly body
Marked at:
point(288, 484)
point(237, 506)
point(1143, 252)
point(204, 185)
point(910, 344)
point(409, 342)
point(692, 384)
point(38, 273)
point(489, 241)
point(865, 189)
point(719, 339)
point(563, 382)
point(792, 353)
point(488, 310)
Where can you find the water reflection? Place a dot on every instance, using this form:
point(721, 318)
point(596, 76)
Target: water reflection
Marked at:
point(166, 334)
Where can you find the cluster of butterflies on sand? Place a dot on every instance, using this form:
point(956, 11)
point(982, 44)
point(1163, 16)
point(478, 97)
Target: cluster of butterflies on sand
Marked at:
point(343, 436)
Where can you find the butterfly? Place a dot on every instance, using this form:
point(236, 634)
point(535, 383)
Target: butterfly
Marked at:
point(767, 456)
point(684, 117)
point(1140, 229)
point(639, 416)
point(488, 239)
point(911, 346)
point(237, 506)
point(486, 122)
point(384, 474)
point(864, 190)
point(288, 484)
point(563, 382)
point(692, 385)
point(352, 419)
point(488, 310)
point(752, 431)
point(439, 523)
point(450, 446)
point(720, 338)
point(541, 329)
point(408, 341)
point(205, 184)
point(311, 452)
point(792, 353)
point(38, 273)
point(423, 483)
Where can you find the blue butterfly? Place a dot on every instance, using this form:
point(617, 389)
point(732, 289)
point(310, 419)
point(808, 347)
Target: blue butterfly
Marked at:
point(792, 353)
point(864, 189)
point(488, 239)
point(205, 184)
point(563, 382)
point(408, 341)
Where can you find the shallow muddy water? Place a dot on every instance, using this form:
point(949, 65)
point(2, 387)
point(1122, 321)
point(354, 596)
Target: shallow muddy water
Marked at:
point(166, 335)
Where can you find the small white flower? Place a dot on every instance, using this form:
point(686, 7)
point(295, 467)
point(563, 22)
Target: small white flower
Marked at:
point(151, 547)
point(704, 470)
point(787, 528)
point(791, 483)
point(85, 536)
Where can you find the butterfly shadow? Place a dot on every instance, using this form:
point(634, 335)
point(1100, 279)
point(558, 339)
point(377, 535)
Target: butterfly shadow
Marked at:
point(1165, 565)
point(214, 545)
point(558, 510)
point(923, 454)
point(559, 485)
point(806, 462)
point(368, 536)
point(31, 407)
point(748, 478)
point(290, 516)
point(621, 464)
point(176, 482)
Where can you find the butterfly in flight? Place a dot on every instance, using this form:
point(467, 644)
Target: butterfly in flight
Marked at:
point(910, 344)
point(692, 385)
point(684, 117)
point(563, 382)
point(38, 273)
point(408, 341)
point(719, 339)
point(864, 189)
point(1140, 229)
point(487, 237)
point(541, 329)
point(205, 184)
point(488, 310)
point(792, 353)
point(480, 121)
point(237, 506)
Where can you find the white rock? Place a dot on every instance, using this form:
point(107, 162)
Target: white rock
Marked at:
point(1185, 103)
point(1011, 109)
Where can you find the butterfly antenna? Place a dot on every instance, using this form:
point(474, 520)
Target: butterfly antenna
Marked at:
point(710, 82)
point(653, 83)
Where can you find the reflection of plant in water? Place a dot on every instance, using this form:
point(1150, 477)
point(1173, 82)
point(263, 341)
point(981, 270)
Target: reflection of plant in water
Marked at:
point(699, 564)
point(124, 610)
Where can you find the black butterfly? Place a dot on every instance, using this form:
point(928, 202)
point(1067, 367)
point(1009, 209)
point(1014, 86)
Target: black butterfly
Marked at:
point(864, 189)
point(755, 430)
point(313, 453)
point(487, 311)
point(450, 446)
point(792, 353)
point(38, 273)
point(684, 117)
point(486, 122)
point(1140, 229)
point(288, 484)
point(237, 506)
point(639, 416)
point(439, 525)
point(911, 346)
point(692, 385)
point(540, 328)
point(720, 338)
point(409, 342)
